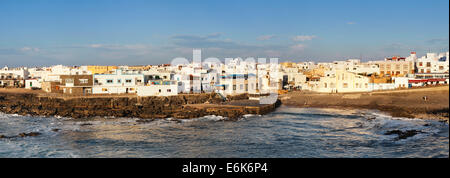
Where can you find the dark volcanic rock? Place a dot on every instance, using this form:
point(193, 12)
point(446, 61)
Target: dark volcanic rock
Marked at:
point(31, 134)
point(139, 107)
point(403, 134)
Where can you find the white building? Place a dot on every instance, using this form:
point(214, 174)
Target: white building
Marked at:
point(433, 63)
point(33, 83)
point(341, 81)
point(117, 83)
point(401, 82)
point(158, 88)
point(21, 72)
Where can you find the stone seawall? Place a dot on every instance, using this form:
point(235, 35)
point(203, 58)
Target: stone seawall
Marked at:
point(181, 106)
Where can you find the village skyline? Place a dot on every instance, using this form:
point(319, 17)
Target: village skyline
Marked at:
point(224, 61)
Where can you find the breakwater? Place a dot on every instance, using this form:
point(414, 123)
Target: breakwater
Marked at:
point(180, 106)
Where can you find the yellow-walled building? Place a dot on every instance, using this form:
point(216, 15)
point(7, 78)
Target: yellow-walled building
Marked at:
point(101, 69)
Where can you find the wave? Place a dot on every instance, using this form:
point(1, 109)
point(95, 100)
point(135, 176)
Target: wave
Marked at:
point(382, 123)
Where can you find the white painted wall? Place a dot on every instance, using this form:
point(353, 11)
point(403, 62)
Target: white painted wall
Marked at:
point(158, 90)
point(34, 83)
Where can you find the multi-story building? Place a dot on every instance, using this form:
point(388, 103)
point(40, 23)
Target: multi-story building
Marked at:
point(11, 80)
point(395, 67)
point(433, 63)
point(21, 72)
point(76, 84)
point(341, 81)
point(101, 69)
point(117, 83)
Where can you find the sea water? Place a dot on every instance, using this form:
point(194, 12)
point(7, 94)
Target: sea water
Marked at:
point(286, 133)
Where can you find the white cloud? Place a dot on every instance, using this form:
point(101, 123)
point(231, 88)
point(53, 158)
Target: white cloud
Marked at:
point(95, 45)
point(298, 47)
point(120, 47)
point(304, 37)
point(265, 37)
point(29, 49)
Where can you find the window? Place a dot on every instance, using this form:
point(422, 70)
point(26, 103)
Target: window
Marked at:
point(325, 85)
point(83, 81)
point(138, 81)
point(128, 80)
point(119, 81)
point(428, 64)
point(169, 90)
point(104, 89)
point(69, 80)
point(160, 90)
point(109, 81)
point(234, 87)
point(345, 85)
point(241, 87)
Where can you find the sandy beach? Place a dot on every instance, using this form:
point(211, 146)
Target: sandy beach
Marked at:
point(398, 103)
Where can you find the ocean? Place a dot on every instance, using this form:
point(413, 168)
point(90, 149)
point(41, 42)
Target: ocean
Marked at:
point(285, 133)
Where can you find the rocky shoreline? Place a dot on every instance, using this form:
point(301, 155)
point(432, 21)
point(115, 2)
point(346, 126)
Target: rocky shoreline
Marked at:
point(407, 103)
point(179, 107)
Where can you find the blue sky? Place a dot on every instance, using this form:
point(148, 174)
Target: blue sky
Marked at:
point(134, 32)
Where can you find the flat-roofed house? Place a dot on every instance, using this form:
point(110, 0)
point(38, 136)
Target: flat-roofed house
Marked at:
point(117, 83)
point(158, 88)
point(396, 68)
point(76, 84)
point(342, 81)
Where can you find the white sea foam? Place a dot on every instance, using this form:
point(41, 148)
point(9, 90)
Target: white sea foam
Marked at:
point(382, 123)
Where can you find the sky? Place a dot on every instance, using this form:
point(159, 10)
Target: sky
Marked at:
point(141, 32)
